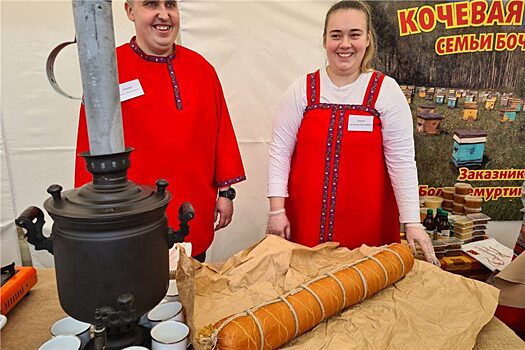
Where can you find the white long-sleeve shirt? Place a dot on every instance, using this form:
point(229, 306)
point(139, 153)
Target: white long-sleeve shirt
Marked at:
point(397, 129)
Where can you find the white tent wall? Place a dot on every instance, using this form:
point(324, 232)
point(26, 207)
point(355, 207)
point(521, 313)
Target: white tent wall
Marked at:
point(257, 47)
point(38, 124)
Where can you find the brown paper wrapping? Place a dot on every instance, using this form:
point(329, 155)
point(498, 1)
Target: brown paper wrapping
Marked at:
point(273, 324)
point(429, 308)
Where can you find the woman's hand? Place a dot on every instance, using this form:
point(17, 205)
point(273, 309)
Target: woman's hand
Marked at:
point(279, 225)
point(415, 233)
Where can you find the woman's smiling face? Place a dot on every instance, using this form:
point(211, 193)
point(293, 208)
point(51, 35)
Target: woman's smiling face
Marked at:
point(346, 41)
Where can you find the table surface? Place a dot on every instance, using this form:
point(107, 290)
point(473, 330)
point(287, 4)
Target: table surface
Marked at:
point(30, 320)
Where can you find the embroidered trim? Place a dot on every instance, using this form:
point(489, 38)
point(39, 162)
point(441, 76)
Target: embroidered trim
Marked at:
point(327, 166)
point(175, 85)
point(313, 91)
point(167, 60)
point(151, 58)
point(231, 181)
point(335, 177)
point(342, 108)
point(372, 111)
point(372, 93)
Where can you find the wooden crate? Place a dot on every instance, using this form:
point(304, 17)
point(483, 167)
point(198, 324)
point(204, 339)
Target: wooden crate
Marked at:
point(469, 147)
point(429, 123)
point(490, 103)
point(470, 111)
point(507, 115)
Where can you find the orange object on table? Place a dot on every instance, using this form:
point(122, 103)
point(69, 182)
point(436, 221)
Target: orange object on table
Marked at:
point(465, 265)
point(16, 286)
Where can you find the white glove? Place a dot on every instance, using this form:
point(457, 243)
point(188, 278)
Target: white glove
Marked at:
point(415, 234)
point(278, 224)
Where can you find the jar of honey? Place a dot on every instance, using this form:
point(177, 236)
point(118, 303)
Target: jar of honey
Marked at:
point(458, 208)
point(462, 188)
point(433, 202)
point(473, 201)
point(448, 204)
point(471, 210)
point(448, 193)
point(459, 198)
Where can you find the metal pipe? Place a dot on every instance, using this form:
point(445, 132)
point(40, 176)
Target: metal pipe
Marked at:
point(98, 69)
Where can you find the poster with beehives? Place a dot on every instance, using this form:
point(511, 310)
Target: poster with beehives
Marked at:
point(461, 65)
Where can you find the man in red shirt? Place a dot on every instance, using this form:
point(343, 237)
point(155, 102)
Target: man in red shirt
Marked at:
point(176, 120)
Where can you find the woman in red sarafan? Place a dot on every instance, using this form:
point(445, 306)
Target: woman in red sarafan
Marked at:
point(342, 162)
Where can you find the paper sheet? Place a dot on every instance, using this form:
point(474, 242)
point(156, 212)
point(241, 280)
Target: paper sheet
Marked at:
point(490, 253)
point(428, 309)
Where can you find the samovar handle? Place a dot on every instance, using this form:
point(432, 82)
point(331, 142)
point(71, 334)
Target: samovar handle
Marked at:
point(34, 229)
point(186, 213)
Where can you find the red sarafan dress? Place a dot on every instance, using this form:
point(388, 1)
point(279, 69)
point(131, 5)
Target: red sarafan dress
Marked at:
point(339, 187)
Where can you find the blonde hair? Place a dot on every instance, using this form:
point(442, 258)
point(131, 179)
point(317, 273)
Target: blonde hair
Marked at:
point(370, 52)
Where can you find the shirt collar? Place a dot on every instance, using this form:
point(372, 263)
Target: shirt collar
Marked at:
point(151, 58)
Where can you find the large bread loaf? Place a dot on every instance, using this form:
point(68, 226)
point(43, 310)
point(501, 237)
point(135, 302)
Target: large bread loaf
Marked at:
point(274, 323)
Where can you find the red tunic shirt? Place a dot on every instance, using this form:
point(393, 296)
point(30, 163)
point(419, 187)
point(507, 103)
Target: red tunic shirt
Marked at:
point(181, 131)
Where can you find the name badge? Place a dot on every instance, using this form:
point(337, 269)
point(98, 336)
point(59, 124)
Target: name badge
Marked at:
point(360, 123)
point(130, 89)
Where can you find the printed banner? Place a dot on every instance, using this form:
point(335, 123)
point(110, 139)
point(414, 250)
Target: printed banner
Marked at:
point(461, 65)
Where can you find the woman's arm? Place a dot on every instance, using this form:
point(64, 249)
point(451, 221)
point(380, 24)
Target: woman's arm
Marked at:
point(284, 136)
point(398, 146)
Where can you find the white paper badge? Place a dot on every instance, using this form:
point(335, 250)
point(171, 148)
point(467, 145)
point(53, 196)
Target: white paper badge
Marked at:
point(360, 123)
point(130, 89)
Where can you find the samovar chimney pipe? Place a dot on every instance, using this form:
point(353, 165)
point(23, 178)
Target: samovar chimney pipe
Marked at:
point(98, 69)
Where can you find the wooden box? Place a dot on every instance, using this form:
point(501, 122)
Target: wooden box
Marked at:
point(507, 115)
point(425, 109)
point(428, 123)
point(470, 111)
point(452, 102)
point(516, 104)
point(490, 103)
point(469, 147)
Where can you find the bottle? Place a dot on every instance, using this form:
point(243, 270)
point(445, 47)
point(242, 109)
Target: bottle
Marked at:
point(429, 223)
point(437, 221)
point(444, 225)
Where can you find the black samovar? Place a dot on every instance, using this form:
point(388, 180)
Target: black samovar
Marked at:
point(110, 237)
point(110, 240)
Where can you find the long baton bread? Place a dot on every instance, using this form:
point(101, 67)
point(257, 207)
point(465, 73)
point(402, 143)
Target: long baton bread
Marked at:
point(273, 324)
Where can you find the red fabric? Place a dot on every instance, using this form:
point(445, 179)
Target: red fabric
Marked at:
point(512, 317)
point(365, 210)
point(195, 148)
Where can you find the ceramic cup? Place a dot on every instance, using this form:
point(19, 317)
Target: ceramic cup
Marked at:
point(170, 311)
point(173, 292)
point(69, 326)
point(62, 342)
point(169, 335)
point(135, 348)
point(3, 321)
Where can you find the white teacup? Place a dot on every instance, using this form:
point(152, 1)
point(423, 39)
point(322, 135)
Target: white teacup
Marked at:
point(69, 326)
point(62, 342)
point(170, 335)
point(173, 292)
point(3, 321)
point(170, 311)
point(135, 348)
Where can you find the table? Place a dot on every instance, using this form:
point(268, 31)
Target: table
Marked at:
point(30, 320)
